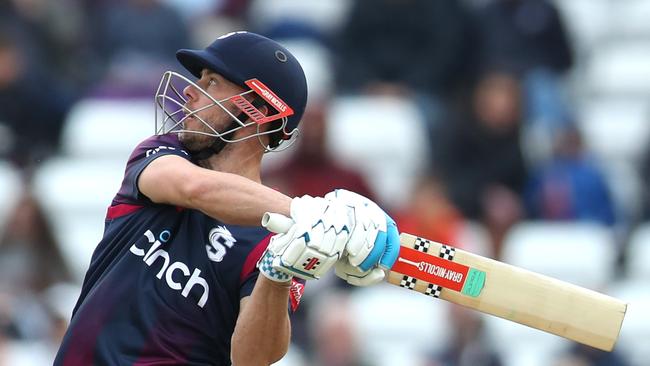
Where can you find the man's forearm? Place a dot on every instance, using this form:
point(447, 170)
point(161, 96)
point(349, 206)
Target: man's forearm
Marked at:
point(237, 200)
point(263, 330)
point(227, 197)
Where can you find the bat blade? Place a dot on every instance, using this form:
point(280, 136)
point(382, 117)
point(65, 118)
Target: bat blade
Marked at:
point(508, 292)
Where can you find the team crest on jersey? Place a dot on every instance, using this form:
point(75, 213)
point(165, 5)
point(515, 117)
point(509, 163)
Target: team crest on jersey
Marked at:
point(221, 239)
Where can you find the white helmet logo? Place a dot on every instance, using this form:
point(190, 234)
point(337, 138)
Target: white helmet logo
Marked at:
point(230, 34)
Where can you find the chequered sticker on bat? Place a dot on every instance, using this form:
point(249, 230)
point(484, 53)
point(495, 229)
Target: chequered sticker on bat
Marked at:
point(422, 245)
point(447, 252)
point(433, 290)
point(408, 282)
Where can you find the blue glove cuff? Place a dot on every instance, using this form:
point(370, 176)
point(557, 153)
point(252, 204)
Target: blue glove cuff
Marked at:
point(386, 248)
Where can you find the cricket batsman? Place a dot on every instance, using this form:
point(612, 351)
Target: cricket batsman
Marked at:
point(175, 280)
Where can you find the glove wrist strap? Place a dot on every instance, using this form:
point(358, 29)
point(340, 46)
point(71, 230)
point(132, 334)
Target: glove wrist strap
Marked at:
point(265, 265)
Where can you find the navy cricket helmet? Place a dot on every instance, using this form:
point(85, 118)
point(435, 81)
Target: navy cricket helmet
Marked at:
point(259, 63)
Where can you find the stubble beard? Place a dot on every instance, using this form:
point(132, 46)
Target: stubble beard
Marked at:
point(195, 142)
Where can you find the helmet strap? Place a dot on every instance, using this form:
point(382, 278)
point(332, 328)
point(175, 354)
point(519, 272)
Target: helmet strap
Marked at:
point(220, 142)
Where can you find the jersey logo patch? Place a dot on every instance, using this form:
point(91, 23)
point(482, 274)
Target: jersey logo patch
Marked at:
point(220, 240)
point(170, 269)
point(162, 148)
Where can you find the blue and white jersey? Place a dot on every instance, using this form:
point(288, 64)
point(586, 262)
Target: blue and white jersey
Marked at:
point(165, 283)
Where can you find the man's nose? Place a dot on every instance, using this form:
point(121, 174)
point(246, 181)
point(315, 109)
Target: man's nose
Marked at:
point(190, 92)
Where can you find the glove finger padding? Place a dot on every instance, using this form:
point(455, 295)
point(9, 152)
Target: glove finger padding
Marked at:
point(374, 239)
point(355, 276)
point(312, 245)
point(308, 209)
point(332, 224)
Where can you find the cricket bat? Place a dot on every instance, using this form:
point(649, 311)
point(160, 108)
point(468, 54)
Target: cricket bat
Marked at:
point(500, 289)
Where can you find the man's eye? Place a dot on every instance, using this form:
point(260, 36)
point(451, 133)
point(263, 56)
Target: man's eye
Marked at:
point(212, 82)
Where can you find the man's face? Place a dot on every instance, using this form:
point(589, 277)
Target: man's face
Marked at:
point(218, 88)
point(497, 102)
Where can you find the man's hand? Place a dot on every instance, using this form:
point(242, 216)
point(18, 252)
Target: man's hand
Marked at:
point(355, 276)
point(373, 246)
point(310, 243)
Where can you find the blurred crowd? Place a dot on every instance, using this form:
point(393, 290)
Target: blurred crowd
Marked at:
point(492, 81)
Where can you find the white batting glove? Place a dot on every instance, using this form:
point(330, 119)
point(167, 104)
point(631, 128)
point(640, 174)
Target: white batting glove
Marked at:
point(355, 276)
point(373, 246)
point(312, 242)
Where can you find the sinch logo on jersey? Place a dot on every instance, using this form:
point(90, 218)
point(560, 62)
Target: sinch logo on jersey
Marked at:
point(220, 241)
point(175, 272)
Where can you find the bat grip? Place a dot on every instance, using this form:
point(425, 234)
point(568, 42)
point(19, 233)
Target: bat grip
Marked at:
point(276, 222)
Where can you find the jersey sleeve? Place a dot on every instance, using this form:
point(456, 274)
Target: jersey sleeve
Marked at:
point(246, 287)
point(250, 273)
point(146, 152)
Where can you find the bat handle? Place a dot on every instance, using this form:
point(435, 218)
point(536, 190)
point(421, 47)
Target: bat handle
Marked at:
point(276, 222)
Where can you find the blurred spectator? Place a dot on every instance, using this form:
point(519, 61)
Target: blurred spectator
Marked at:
point(403, 46)
point(468, 347)
point(315, 20)
point(27, 244)
point(137, 40)
point(296, 29)
point(311, 170)
point(479, 156)
point(570, 186)
point(332, 332)
point(430, 214)
point(59, 301)
point(33, 104)
point(529, 38)
point(233, 8)
point(579, 355)
point(29, 263)
point(53, 36)
point(145, 27)
point(22, 317)
point(523, 35)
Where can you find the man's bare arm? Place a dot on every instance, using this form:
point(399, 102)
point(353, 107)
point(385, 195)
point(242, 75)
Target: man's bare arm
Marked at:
point(263, 329)
point(227, 197)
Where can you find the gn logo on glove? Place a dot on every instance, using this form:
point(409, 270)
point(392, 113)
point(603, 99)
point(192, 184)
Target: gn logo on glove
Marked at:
point(311, 264)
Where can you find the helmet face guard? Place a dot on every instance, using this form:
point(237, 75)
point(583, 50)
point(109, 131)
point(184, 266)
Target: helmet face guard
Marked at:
point(171, 110)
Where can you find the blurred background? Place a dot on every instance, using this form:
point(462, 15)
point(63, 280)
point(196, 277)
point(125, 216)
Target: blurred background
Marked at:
point(516, 129)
